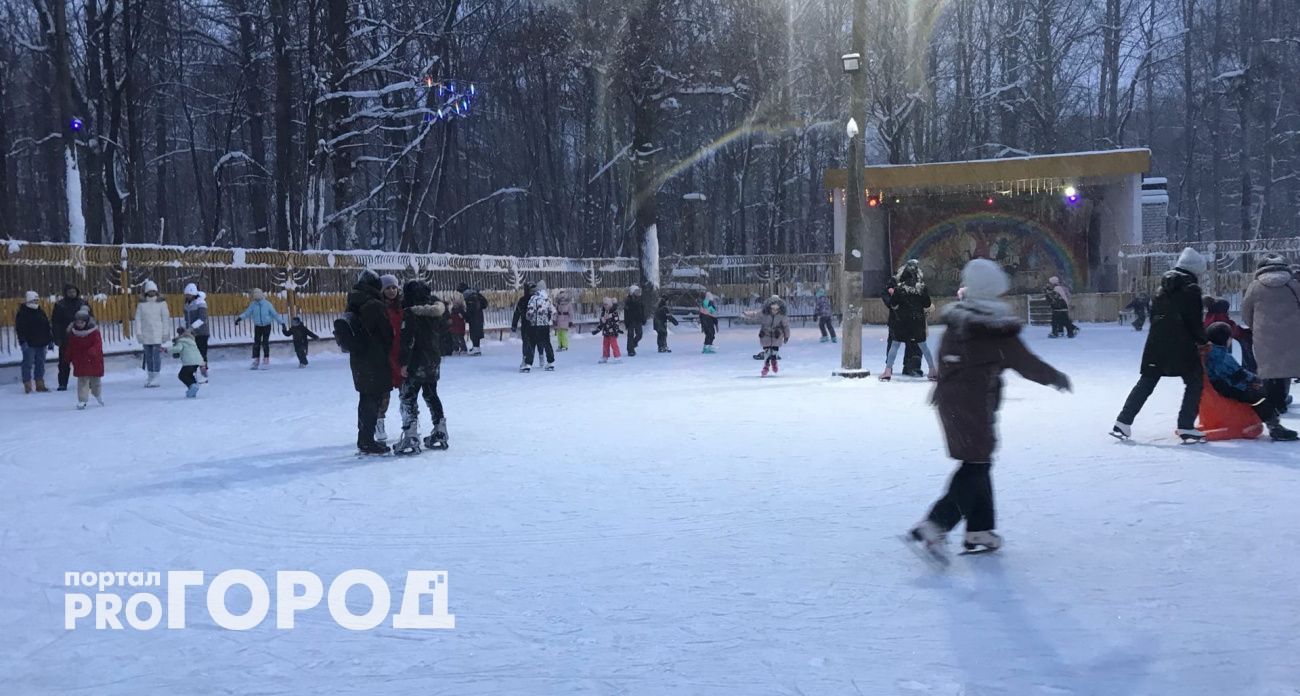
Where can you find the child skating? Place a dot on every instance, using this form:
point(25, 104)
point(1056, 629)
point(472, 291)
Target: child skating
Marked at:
point(825, 312)
point(773, 332)
point(263, 315)
point(982, 340)
point(609, 329)
point(86, 354)
point(185, 347)
point(423, 323)
point(709, 321)
point(458, 327)
point(663, 317)
point(563, 319)
point(301, 335)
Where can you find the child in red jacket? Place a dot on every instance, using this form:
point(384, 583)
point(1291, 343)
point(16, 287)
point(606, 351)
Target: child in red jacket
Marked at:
point(86, 353)
point(458, 327)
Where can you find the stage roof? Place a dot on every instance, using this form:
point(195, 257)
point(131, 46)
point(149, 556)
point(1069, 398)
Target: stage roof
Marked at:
point(1074, 167)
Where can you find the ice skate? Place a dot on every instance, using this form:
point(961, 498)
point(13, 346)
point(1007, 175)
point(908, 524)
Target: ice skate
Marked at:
point(99, 400)
point(1121, 431)
point(81, 405)
point(475, 351)
point(192, 391)
point(766, 366)
point(373, 448)
point(1279, 432)
point(380, 435)
point(760, 355)
point(301, 365)
point(933, 376)
point(525, 367)
point(1053, 335)
point(929, 543)
point(255, 364)
point(27, 388)
point(266, 363)
point(438, 440)
point(834, 340)
point(826, 339)
point(602, 361)
point(887, 375)
point(550, 367)
point(203, 372)
point(151, 381)
point(981, 542)
point(1190, 436)
point(409, 444)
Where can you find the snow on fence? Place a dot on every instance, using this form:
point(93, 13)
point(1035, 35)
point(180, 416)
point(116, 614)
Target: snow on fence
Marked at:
point(1232, 264)
point(313, 284)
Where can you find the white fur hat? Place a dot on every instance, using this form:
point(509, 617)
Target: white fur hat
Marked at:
point(150, 286)
point(984, 280)
point(1191, 261)
point(192, 290)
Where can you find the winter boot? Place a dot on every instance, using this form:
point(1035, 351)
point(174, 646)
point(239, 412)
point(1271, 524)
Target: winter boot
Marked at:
point(438, 440)
point(930, 542)
point(887, 375)
point(380, 435)
point(40, 387)
point(192, 391)
point(27, 388)
point(409, 444)
point(1121, 431)
point(1279, 432)
point(981, 542)
point(1190, 436)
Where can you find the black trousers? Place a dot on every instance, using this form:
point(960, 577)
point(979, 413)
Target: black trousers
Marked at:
point(634, 334)
point(662, 339)
point(969, 495)
point(526, 335)
point(710, 326)
point(1146, 384)
point(65, 364)
point(475, 333)
point(827, 326)
point(301, 350)
point(1258, 398)
point(410, 405)
point(541, 341)
point(202, 343)
point(368, 409)
point(186, 375)
point(1061, 322)
point(262, 338)
point(1139, 320)
point(1276, 391)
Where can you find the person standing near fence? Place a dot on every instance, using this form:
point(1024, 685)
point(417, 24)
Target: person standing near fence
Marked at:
point(475, 307)
point(263, 315)
point(709, 321)
point(300, 335)
point(825, 311)
point(196, 317)
point(65, 311)
point(563, 319)
point(1271, 309)
point(32, 328)
point(634, 317)
point(153, 328)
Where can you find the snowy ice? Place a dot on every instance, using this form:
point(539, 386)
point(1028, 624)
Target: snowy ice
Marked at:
point(672, 524)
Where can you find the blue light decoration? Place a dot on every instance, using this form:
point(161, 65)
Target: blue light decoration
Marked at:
point(76, 125)
point(1071, 195)
point(451, 100)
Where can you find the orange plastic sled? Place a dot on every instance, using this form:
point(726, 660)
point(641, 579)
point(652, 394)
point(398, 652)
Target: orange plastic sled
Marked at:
point(1222, 418)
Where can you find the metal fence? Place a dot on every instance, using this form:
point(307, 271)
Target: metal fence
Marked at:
point(313, 284)
point(1231, 264)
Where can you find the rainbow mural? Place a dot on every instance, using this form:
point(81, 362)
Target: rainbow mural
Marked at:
point(1030, 249)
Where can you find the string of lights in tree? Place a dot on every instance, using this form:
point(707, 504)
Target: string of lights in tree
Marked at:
point(1069, 194)
point(454, 99)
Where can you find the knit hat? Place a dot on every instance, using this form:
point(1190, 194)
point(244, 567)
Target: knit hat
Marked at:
point(258, 294)
point(389, 280)
point(84, 312)
point(31, 297)
point(1054, 280)
point(150, 286)
point(634, 290)
point(1275, 262)
point(1219, 333)
point(462, 287)
point(1191, 261)
point(192, 290)
point(607, 302)
point(297, 321)
point(984, 280)
point(370, 278)
point(415, 293)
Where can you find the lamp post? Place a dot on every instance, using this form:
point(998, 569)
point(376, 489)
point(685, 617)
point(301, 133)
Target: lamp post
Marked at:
point(851, 277)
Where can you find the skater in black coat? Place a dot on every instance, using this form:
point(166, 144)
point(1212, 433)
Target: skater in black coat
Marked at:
point(32, 329)
point(475, 307)
point(663, 317)
point(519, 323)
point(981, 341)
point(372, 375)
point(911, 353)
point(424, 323)
point(1174, 347)
point(909, 301)
point(1139, 306)
point(634, 318)
point(301, 335)
point(65, 311)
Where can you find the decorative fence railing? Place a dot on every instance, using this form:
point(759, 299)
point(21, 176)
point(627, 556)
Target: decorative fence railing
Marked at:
point(1232, 264)
point(313, 284)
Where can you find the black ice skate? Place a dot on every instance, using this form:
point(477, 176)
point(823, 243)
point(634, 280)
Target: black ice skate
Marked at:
point(981, 542)
point(1279, 432)
point(438, 440)
point(1190, 437)
point(373, 449)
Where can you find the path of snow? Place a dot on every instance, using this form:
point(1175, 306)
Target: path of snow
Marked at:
point(672, 524)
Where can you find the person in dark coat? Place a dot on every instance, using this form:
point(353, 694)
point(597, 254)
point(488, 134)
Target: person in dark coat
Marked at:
point(32, 329)
point(663, 317)
point(909, 301)
point(911, 352)
point(981, 341)
point(634, 317)
point(65, 311)
point(300, 335)
point(1236, 383)
point(475, 307)
point(424, 322)
point(519, 323)
point(1173, 348)
point(1139, 306)
point(372, 374)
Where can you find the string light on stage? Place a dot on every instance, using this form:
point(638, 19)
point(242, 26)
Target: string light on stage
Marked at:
point(75, 125)
point(873, 202)
point(1071, 195)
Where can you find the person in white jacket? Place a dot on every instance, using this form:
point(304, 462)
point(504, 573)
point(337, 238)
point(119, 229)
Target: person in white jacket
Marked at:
point(153, 327)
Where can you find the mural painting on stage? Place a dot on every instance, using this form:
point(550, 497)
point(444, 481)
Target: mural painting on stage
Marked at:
point(1033, 239)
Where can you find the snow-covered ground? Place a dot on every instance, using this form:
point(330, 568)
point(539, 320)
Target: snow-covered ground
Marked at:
point(672, 524)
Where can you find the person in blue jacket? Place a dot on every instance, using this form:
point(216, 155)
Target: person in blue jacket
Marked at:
point(263, 315)
point(1235, 382)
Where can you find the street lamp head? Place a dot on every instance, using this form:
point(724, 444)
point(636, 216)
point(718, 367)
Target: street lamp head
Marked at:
point(852, 62)
point(852, 128)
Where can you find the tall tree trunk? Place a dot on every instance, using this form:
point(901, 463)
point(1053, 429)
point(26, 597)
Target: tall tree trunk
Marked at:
point(249, 51)
point(284, 160)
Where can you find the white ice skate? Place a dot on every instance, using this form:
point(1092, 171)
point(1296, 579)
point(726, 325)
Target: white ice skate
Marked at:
point(409, 444)
point(152, 381)
point(256, 363)
point(525, 367)
point(1190, 437)
point(475, 351)
point(929, 543)
point(438, 440)
point(550, 367)
point(981, 542)
point(1121, 431)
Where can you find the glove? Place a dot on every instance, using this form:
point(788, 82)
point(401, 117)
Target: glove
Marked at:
point(594, 332)
point(237, 320)
point(1062, 383)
